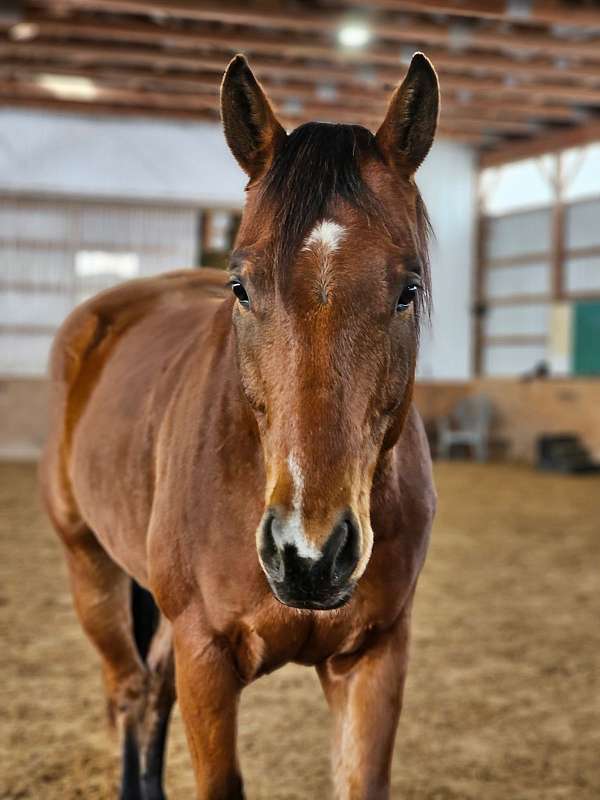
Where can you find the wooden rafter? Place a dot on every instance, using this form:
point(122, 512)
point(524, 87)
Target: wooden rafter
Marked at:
point(149, 33)
point(313, 41)
point(536, 12)
point(190, 62)
point(544, 143)
point(316, 22)
point(512, 73)
point(206, 106)
point(500, 115)
point(373, 102)
point(462, 63)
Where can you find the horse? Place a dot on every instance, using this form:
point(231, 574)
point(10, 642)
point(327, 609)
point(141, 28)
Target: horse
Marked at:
point(241, 447)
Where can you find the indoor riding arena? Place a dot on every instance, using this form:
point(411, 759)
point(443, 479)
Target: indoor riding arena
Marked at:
point(198, 444)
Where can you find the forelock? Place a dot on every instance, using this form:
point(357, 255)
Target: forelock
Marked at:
point(318, 164)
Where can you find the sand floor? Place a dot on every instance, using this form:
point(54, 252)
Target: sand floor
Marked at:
point(503, 696)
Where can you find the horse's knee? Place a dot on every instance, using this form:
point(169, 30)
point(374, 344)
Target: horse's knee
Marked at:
point(127, 697)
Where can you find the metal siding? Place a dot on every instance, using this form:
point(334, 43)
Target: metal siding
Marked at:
point(38, 281)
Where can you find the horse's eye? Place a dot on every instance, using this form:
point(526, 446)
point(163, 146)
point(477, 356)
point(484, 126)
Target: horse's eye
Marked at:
point(406, 298)
point(240, 293)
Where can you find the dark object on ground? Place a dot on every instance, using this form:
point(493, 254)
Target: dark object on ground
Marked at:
point(540, 370)
point(564, 453)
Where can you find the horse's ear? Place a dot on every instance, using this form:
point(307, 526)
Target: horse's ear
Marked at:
point(406, 134)
point(251, 128)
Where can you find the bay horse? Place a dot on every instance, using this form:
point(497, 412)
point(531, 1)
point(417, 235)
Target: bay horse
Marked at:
point(244, 448)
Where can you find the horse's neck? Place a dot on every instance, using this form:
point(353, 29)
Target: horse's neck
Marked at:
point(229, 425)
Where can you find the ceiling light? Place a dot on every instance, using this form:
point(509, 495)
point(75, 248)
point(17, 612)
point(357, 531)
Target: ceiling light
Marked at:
point(367, 75)
point(464, 96)
point(68, 87)
point(292, 107)
point(23, 31)
point(327, 92)
point(354, 35)
point(406, 54)
point(459, 37)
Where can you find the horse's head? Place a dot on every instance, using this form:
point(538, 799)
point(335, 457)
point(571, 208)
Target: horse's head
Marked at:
point(330, 273)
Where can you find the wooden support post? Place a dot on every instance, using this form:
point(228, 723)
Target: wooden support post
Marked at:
point(558, 231)
point(478, 306)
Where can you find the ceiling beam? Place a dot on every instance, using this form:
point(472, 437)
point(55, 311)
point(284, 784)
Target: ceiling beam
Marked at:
point(23, 92)
point(265, 66)
point(50, 53)
point(346, 105)
point(110, 95)
point(543, 143)
point(10, 100)
point(501, 64)
point(535, 12)
point(385, 28)
point(166, 56)
point(487, 110)
point(308, 48)
point(210, 81)
point(345, 109)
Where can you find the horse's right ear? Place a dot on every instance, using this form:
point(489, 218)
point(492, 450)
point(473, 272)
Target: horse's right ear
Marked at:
point(251, 128)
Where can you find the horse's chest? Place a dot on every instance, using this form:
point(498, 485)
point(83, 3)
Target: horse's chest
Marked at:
point(262, 634)
point(277, 635)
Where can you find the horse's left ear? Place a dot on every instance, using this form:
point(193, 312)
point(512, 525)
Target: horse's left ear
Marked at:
point(251, 128)
point(406, 134)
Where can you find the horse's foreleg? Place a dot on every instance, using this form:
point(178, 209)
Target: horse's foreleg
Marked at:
point(102, 595)
point(364, 692)
point(208, 690)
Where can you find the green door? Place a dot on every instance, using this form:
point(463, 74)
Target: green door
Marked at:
point(587, 338)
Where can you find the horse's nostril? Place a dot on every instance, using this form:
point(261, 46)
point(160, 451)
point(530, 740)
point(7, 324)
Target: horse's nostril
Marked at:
point(269, 552)
point(344, 551)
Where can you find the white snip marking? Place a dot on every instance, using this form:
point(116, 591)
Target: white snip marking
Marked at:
point(292, 530)
point(297, 480)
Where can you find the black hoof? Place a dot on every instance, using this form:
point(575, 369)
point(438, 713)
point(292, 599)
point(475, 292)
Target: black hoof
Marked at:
point(152, 789)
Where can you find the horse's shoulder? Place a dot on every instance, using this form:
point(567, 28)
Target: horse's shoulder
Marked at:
point(93, 324)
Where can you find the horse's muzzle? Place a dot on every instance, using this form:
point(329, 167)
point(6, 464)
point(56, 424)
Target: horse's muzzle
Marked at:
point(303, 576)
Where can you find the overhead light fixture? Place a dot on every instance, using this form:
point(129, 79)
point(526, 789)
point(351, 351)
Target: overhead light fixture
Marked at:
point(406, 54)
point(327, 92)
point(292, 107)
point(68, 87)
point(23, 31)
point(519, 9)
point(354, 35)
point(459, 37)
point(367, 75)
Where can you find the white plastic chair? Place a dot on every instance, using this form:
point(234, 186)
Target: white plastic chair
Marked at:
point(468, 424)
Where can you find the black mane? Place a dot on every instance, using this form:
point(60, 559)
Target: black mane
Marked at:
point(319, 163)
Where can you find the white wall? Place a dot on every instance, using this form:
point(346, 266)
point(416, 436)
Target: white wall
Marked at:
point(54, 253)
point(50, 153)
point(447, 181)
point(106, 157)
